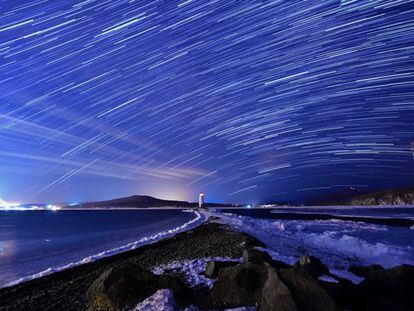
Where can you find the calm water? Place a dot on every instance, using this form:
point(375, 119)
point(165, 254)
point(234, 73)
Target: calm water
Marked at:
point(34, 241)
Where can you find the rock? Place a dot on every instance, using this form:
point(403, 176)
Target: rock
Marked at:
point(312, 265)
point(163, 299)
point(213, 267)
point(306, 292)
point(365, 271)
point(240, 285)
point(256, 256)
point(126, 285)
point(249, 284)
point(275, 294)
point(343, 292)
point(395, 285)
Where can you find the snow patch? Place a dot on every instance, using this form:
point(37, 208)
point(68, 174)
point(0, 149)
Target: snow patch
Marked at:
point(163, 299)
point(347, 275)
point(193, 270)
point(328, 278)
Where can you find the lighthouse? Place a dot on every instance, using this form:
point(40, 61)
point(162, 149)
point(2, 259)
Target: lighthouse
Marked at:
point(201, 199)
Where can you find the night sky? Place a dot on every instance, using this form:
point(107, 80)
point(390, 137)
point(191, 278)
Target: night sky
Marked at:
point(246, 100)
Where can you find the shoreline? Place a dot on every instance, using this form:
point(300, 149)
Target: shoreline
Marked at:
point(67, 288)
point(198, 220)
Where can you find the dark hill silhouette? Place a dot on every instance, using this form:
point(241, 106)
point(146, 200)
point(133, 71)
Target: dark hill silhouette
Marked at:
point(143, 201)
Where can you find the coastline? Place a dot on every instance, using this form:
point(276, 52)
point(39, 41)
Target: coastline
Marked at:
point(199, 219)
point(67, 289)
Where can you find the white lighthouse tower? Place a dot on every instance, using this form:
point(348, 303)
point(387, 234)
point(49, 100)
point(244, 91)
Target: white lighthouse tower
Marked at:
point(201, 199)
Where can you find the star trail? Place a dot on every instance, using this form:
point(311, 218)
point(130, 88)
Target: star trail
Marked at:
point(246, 100)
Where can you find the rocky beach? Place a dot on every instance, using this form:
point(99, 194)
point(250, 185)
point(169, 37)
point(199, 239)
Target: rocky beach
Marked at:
point(211, 267)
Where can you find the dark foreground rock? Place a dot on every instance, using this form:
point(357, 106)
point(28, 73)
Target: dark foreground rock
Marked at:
point(250, 284)
point(307, 293)
point(391, 287)
point(124, 286)
point(343, 292)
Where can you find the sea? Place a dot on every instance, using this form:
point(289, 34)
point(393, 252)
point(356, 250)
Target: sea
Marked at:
point(36, 243)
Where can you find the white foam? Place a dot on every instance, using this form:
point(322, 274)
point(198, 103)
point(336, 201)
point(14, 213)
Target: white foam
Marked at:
point(196, 221)
point(338, 244)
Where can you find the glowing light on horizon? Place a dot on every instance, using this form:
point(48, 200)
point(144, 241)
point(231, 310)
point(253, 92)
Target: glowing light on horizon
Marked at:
point(7, 205)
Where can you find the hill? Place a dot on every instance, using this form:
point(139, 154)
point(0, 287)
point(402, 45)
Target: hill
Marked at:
point(143, 201)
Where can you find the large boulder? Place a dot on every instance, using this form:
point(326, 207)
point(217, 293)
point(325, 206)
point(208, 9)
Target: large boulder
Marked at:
point(213, 267)
point(249, 284)
point(365, 271)
point(306, 292)
point(240, 285)
point(275, 294)
point(126, 285)
point(312, 265)
point(395, 285)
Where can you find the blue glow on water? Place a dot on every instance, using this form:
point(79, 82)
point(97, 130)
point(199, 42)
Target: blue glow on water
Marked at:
point(33, 241)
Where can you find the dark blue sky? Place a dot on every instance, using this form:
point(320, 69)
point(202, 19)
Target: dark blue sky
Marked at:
point(245, 100)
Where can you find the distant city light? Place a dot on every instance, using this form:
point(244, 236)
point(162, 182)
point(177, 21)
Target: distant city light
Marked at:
point(249, 206)
point(8, 206)
point(53, 207)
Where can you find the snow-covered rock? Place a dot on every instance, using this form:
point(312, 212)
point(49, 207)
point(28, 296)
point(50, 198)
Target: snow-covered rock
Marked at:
point(162, 300)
